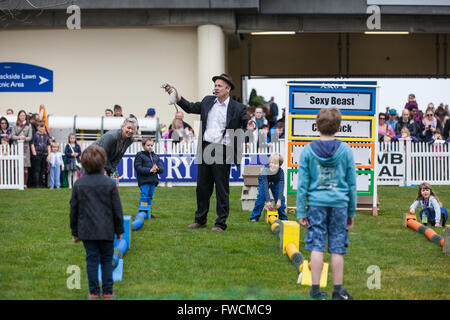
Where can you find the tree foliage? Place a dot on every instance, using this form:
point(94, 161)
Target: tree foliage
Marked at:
point(254, 99)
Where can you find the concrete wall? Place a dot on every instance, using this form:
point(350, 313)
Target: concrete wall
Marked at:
point(395, 54)
point(96, 68)
point(317, 53)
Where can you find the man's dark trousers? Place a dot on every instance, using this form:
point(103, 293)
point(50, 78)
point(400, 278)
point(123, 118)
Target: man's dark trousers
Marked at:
point(217, 174)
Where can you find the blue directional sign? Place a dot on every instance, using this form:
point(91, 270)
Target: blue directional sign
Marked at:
point(22, 77)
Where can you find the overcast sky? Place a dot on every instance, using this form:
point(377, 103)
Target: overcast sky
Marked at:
point(393, 92)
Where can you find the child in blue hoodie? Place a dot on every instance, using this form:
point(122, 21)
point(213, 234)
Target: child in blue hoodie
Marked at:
point(147, 165)
point(271, 177)
point(327, 182)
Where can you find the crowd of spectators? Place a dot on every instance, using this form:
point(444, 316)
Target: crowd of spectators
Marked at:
point(430, 125)
point(268, 127)
point(42, 165)
point(28, 128)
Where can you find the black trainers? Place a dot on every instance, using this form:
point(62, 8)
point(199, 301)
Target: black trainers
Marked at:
point(152, 216)
point(342, 295)
point(321, 295)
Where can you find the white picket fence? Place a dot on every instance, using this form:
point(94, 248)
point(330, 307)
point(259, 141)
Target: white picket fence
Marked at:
point(11, 166)
point(411, 163)
point(399, 163)
point(167, 146)
point(427, 162)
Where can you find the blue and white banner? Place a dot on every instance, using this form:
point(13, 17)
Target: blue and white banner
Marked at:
point(183, 167)
point(22, 77)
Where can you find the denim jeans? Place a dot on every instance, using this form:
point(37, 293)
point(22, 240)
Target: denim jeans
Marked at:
point(147, 191)
point(55, 174)
point(260, 201)
point(432, 215)
point(99, 252)
point(327, 222)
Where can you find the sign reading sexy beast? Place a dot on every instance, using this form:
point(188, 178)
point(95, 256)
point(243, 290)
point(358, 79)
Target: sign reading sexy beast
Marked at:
point(183, 167)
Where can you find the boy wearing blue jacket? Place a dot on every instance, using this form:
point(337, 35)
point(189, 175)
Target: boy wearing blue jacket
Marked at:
point(147, 166)
point(271, 177)
point(327, 182)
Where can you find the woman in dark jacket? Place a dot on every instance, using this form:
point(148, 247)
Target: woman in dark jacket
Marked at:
point(429, 125)
point(115, 143)
point(147, 166)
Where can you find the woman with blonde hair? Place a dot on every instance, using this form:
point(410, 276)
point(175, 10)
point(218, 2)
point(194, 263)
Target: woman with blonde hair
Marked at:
point(115, 143)
point(176, 133)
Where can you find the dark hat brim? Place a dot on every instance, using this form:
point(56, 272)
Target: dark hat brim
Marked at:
point(224, 79)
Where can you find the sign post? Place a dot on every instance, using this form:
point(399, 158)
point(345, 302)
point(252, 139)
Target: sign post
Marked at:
point(357, 101)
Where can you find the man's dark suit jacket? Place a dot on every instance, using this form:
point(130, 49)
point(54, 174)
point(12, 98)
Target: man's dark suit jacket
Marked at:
point(237, 118)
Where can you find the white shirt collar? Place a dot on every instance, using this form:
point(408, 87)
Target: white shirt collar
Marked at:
point(225, 103)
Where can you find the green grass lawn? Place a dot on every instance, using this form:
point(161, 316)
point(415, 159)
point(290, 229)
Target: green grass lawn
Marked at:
point(168, 261)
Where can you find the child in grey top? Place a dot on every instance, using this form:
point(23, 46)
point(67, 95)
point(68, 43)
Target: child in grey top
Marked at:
point(431, 206)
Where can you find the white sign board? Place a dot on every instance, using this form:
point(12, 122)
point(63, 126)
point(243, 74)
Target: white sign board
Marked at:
point(344, 100)
point(356, 129)
point(391, 165)
point(361, 154)
point(362, 182)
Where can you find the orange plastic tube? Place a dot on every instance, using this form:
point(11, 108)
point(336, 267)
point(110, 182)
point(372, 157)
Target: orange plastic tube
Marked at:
point(413, 224)
point(429, 233)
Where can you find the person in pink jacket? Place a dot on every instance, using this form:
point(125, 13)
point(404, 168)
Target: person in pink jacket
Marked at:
point(385, 131)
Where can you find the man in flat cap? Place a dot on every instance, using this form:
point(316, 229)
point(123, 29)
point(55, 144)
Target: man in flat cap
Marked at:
point(220, 115)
